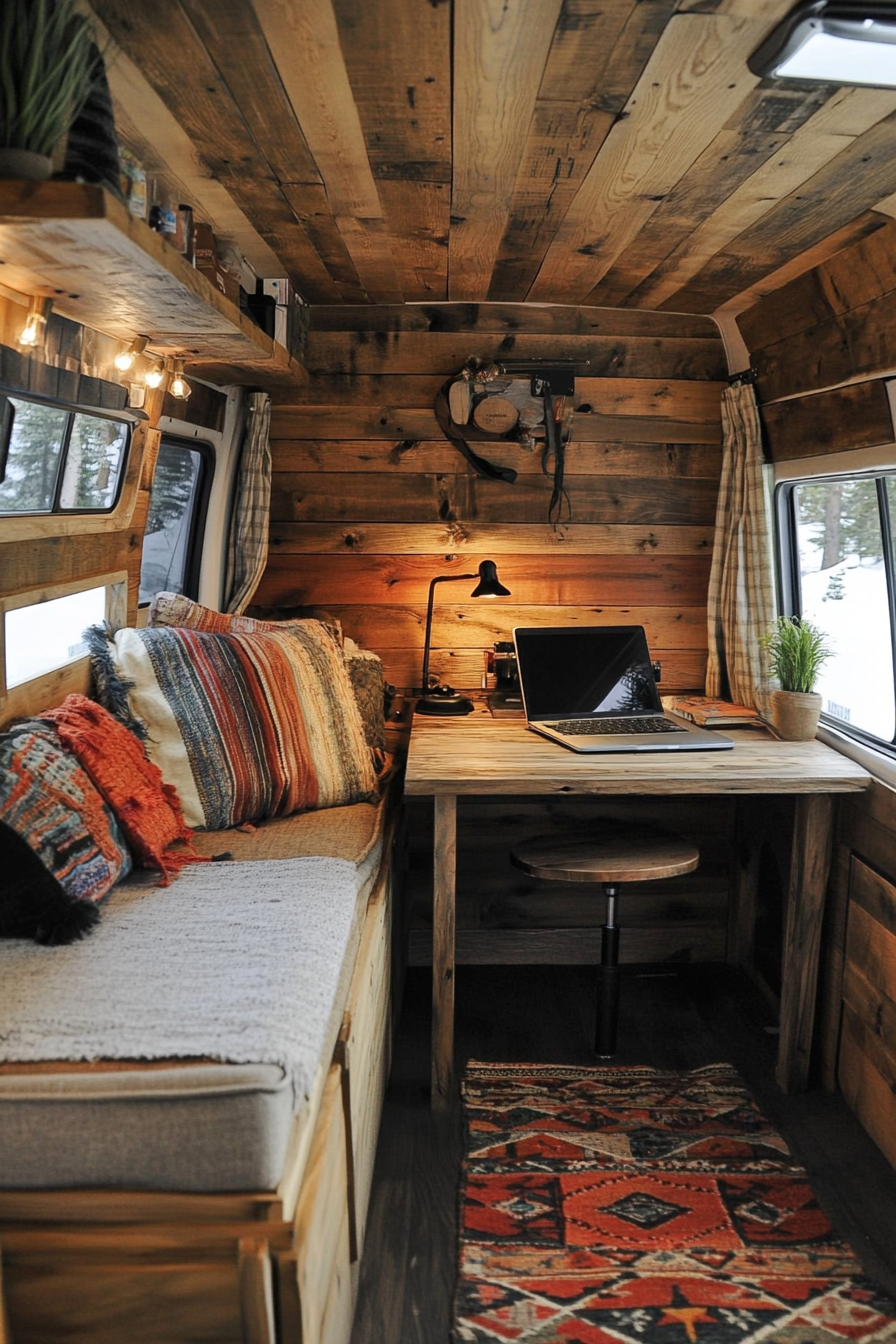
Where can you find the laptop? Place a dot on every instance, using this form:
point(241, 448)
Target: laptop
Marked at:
point(593, 688)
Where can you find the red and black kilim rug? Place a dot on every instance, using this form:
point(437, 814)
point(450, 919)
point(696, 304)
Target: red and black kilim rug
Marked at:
point(635, 1206)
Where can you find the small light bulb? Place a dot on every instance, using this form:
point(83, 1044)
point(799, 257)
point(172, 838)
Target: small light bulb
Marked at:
point(34, 330)
point(126, 359)
point(179, 388)
point(154, 375)
point(30, 332)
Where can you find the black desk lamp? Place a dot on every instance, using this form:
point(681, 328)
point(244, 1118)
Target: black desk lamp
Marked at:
point(444, 699)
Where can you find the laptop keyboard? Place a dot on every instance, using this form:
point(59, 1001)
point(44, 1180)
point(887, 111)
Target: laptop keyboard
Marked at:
point(605, 727)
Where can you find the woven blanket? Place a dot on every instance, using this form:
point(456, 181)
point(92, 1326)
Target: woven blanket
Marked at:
point(243, 962)
point(639, 1206)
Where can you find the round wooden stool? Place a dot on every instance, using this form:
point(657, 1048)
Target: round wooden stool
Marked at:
point(612, 853)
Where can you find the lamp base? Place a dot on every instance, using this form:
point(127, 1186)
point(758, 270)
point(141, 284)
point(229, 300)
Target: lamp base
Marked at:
point(444, 700)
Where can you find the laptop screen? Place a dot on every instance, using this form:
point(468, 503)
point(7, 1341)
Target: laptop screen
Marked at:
point(599, 669)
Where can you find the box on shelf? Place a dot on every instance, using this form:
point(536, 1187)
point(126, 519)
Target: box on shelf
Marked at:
point(205, 259)
point(133, 182)
point(280, 291)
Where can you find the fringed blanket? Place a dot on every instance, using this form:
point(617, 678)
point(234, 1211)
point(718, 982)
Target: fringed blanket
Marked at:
point(243, 962)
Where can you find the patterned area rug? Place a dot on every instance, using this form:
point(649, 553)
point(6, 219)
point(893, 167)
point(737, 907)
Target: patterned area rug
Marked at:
point(634, 1206)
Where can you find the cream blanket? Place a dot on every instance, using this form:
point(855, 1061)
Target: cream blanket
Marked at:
point(243, 962)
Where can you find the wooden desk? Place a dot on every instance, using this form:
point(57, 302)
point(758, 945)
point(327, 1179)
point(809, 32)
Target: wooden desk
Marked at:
point(482, 755)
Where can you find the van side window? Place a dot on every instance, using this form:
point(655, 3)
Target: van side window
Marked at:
point(42, 632)
point(838, 542)
point(55, 460)
point(172, 545)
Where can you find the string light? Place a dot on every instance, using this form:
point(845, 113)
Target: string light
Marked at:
point(154, 375)
point(179, 388)
point(127, 358)
point(35, 329)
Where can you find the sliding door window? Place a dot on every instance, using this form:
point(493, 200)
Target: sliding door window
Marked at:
point(178, 502)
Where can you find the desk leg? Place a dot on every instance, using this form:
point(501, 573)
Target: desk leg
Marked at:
point(809, 868)
point(444, 886)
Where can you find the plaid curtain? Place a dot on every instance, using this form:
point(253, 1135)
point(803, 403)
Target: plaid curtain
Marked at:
point(249, 524)
point(741, 585)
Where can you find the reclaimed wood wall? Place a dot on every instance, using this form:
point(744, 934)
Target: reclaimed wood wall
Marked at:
point(370, 502)
point(823, 346)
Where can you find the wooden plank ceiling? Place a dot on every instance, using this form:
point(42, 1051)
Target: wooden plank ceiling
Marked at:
point(605, 152)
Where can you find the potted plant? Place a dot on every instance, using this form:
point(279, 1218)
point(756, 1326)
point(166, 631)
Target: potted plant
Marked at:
point(796, 651)
point(46, 70)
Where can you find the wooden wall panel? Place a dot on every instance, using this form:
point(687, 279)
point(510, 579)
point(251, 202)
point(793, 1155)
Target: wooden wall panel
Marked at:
point(868, 1062)
point(829, 422)
point(609, 356)
point(370, 502)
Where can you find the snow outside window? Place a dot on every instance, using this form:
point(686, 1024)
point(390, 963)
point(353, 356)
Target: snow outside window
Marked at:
point(842, 532)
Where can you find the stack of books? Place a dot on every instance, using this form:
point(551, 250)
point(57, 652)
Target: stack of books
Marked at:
point(709, 713)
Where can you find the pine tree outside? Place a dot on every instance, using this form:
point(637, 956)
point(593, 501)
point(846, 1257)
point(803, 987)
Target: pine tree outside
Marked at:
point(60, 460)
point(171, 524)
point(840, 529)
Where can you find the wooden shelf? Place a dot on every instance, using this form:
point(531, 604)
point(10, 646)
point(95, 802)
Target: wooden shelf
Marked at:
point(108, 270)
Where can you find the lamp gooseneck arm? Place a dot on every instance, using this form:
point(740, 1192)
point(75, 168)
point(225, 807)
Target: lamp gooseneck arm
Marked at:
point(440, 578)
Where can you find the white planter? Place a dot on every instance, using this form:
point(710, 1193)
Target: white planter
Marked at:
point(795, 714)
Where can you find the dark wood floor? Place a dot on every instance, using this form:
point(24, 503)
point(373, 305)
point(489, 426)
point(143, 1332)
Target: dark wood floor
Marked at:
point(674, 1018)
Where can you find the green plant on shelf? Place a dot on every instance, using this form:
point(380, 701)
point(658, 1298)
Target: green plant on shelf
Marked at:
point(796, 652)
point(46, 70)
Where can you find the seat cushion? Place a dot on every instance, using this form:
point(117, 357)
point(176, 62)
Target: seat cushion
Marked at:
point(171, 1126)
point(192, 1037)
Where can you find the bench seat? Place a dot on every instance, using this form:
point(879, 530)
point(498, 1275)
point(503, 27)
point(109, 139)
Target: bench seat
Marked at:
point(199, 1122)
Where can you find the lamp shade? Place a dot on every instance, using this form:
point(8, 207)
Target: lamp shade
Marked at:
point(489, 584)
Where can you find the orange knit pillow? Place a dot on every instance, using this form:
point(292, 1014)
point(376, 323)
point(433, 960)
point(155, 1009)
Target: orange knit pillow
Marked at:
point(147, 809)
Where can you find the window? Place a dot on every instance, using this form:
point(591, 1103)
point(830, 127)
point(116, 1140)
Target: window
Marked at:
point(55, 460)
point(43, 631)
point(177, 507)
point(838, 538)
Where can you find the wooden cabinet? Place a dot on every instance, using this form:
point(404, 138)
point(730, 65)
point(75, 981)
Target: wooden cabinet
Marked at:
point(868, 1046)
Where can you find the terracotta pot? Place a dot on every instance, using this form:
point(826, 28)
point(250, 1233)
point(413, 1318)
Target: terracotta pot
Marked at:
point(25, 164)
point(795, 714)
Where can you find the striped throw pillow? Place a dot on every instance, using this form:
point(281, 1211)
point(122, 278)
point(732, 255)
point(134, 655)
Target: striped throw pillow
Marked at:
point(244, 726)
point(365, 669)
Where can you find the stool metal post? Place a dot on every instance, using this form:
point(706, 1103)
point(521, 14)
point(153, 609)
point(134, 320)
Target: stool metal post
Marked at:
point(613, 852)
point(608, 979)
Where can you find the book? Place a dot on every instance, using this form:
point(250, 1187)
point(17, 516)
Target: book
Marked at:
point(709, 713)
